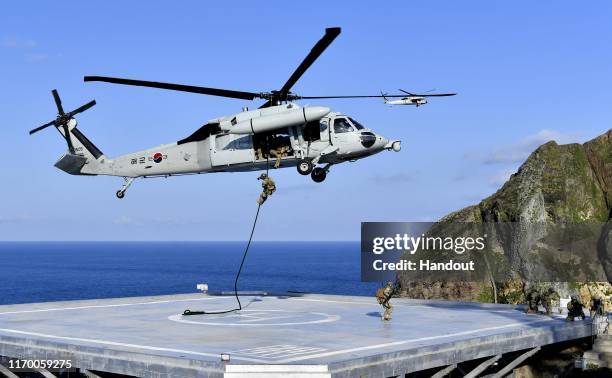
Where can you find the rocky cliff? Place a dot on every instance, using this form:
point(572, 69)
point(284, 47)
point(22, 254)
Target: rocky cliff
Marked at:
point(557, 184)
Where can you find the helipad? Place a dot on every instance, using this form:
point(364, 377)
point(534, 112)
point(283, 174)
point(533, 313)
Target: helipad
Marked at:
point(309, 335)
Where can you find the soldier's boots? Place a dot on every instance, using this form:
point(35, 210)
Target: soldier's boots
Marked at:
point(387, 314)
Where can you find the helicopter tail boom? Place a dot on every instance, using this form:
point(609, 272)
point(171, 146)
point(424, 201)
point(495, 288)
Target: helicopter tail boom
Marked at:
point(85, 159)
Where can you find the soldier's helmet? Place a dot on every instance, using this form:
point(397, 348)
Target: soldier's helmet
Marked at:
point(574, 298)
point(389, 283)
point(262, 176)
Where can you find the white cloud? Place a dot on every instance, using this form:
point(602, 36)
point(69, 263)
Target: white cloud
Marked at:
point(17, 218)
point(125, 221)
point(499, 178)
point(35, 57)
point(25, 47)
point(518, 151)
point(17, 43)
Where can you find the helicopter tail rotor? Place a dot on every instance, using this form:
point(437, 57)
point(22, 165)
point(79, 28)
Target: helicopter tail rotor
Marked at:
point(63, 119)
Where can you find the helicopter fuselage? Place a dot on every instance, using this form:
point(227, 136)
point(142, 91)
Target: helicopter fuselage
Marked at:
point(409, 100)
point(283, 140)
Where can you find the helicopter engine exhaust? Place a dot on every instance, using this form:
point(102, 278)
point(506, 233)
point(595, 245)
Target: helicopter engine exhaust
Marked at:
point(293, 117)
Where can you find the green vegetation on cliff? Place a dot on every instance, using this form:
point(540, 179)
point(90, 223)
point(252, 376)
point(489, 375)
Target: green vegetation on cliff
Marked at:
point(557, 184)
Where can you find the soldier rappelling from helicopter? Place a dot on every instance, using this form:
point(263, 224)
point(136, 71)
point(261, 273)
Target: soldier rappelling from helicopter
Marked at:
point(268, 188)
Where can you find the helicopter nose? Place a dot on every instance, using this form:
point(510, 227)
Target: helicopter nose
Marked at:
point(368, 139)
point(381, 141)
point(395, 145)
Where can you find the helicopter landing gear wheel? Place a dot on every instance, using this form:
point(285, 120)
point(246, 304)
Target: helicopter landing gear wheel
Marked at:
point(304, 167)
point(127, 181)
point(318, 174)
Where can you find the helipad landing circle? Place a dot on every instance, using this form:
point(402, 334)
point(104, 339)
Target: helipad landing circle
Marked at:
point(257, 318)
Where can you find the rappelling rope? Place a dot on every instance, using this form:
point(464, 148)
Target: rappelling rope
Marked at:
point(244, 255)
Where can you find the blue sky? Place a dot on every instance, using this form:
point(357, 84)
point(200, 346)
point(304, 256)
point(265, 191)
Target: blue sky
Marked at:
point(526, 72)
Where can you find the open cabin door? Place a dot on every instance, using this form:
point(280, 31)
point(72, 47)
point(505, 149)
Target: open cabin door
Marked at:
point(316, 137)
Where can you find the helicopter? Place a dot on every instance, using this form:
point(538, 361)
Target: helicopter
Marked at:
point(413, 98)
point(279, 130)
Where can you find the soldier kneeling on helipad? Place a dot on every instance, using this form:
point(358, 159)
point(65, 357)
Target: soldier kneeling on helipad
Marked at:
point(575, 309)
point(383, 296)
point(547, 297)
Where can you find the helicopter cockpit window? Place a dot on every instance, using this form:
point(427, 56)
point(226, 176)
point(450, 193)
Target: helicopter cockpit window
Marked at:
point(341, 125)
point(357, 125)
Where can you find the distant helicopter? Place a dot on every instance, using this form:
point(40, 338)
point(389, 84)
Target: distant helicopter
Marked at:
point(413, 99)
point(279, 132)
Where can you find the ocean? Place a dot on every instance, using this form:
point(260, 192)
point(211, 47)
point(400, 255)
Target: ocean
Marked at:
point(56, 271)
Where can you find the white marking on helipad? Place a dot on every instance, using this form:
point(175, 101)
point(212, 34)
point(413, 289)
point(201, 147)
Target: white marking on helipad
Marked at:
point(278, 351)
point(107, 306)
point(258, 317)
point(359, 349)
point(287, 360)
point(114, 343)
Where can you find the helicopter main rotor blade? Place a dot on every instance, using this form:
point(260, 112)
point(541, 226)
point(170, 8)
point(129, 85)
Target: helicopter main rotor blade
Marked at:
point(267, 104)
point(428, 94)
point(42, 127)
point(82, 108)
point(317, 50)
point(58, 101)
point(177, 87)
point(437, 95)
point(324, 97)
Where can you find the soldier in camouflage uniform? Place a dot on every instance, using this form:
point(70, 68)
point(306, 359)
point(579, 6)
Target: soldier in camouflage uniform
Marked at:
point(546, 297)
point(549, 298)
point(574, 309)
point(533, 300)
point(279, 153)
point(383, 296)
point(268, 186)
point(597, 307)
